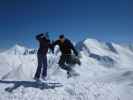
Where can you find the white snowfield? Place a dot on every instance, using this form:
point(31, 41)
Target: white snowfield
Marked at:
point(106, 73)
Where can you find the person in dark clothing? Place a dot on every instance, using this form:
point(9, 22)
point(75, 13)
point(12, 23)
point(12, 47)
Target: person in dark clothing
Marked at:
point(66, 59)
point(44, 45)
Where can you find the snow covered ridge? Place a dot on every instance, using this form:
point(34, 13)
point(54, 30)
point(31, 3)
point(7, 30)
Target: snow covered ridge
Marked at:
point(20, 50)
point(106, 73)
point(90, 45)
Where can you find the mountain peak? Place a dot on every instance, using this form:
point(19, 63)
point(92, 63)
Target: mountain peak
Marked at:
point(91, 40)
point(16, 49)
point(18, 46)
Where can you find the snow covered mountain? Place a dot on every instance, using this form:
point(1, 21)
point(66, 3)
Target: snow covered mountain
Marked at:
point(20, 50)
point(129, 46)
point(106, 73)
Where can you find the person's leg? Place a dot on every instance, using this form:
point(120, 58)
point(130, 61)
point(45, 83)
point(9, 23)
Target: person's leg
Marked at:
point(69, 64)
point(72, 60)
point(44, 73)
point(38, 72)
point(62, 63)
point(76, 60)
point(69, 60)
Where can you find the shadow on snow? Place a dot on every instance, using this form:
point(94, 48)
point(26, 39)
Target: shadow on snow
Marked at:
point(32, 84)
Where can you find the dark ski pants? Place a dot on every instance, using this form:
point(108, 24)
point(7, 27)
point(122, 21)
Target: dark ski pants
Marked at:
point(66, 61)
point(42, 66)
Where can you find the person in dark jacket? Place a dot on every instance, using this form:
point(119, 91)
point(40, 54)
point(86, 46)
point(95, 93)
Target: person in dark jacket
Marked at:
point(44, 45)
point(66, 48)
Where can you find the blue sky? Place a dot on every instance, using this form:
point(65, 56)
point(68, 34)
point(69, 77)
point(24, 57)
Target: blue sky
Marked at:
point(106, 20)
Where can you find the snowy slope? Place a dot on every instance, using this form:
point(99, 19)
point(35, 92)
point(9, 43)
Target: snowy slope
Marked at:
point(106, 73)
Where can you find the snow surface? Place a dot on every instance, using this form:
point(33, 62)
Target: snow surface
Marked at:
point(106, 73)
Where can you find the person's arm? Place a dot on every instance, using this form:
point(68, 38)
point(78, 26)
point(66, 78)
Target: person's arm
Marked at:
point(38, 37)
point(50, 46)
point(55, 43)
point(73, 48)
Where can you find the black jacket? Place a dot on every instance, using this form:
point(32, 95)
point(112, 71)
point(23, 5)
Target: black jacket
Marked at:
point(65, 47)
point(44, 44)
